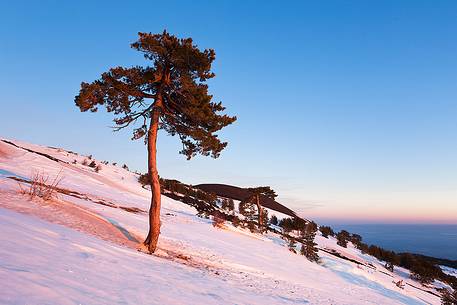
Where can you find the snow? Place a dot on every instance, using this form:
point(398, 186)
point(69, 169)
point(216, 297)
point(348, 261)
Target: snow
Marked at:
point(78, 251)
point(449, 270)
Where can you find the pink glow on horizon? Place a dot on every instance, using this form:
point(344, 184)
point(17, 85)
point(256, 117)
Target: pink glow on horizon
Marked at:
point(425, 215)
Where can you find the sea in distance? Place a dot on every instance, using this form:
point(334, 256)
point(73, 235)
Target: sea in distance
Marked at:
point(433, 240)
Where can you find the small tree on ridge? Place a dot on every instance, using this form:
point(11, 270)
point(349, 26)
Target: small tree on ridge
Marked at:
point(255, 196)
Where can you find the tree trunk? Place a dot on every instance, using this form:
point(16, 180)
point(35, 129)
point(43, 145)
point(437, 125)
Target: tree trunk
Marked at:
point(154, 210)
point(259, 208)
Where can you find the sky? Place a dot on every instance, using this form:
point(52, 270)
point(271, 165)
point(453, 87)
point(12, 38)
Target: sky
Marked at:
point(348, 109)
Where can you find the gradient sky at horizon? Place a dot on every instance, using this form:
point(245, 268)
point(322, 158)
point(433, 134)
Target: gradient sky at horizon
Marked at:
point(347, 108)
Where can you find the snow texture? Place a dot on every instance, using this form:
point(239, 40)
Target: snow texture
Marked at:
point(83, 249)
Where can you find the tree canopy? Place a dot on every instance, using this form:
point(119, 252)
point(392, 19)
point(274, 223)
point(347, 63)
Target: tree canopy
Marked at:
point(173, 85)
point(263, 190)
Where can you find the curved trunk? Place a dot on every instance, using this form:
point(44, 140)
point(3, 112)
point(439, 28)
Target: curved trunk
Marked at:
point(259, 208)
point(154, 210)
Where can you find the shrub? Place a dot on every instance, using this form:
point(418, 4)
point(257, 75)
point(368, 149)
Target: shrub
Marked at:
point(342, 238)
point(236, 221)
point(291, 245)
point(274, 220)
point(247, 209)
point(290, 224)
point(252, 226)
point(308, 247)
point(144, 179)
point(400, 284)
point(421, 273)
point(326, 231)
point(448, 297)
point(42, 186)
point(228, 204)
point(218, 220)
point(356, 239)
point(389, 266)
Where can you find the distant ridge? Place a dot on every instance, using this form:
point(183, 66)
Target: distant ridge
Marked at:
point(238, 193)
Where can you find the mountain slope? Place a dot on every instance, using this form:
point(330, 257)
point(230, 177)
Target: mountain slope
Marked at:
point(82, 248)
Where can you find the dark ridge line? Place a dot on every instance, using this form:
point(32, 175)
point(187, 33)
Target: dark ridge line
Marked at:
point(78, 195)
point(424, 290)
point(35, 152)
point(339, 255)
point(238, 193)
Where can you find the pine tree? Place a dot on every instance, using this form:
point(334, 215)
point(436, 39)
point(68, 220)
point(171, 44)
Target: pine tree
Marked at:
point(286, 224)
point(224, 204)
point(303, 250)
point(356, 240)
point(228, 204)
point(231, 205)
point(274, 220)
point(291, 245)
point(448, 297)
point(342, 238)
point(326, 231)
point(308, 247)
point(169, 94)
point(247, 209)
point(255, 196)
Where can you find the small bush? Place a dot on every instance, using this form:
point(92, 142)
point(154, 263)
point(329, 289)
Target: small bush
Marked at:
point(326, 231)
point(448, 297)
point(342, 238)
point(236, 222)
point(252, 226)
point(218, 220)
point(400, 284)
point(42, 186)
point(274, 220)
point(98, 168)
point(144, 179)
point(291, 245)
point(389, 266)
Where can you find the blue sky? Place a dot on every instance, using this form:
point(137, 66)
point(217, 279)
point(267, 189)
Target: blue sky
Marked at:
point(347, 108)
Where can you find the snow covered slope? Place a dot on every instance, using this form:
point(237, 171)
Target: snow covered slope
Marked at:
point(81, 248)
